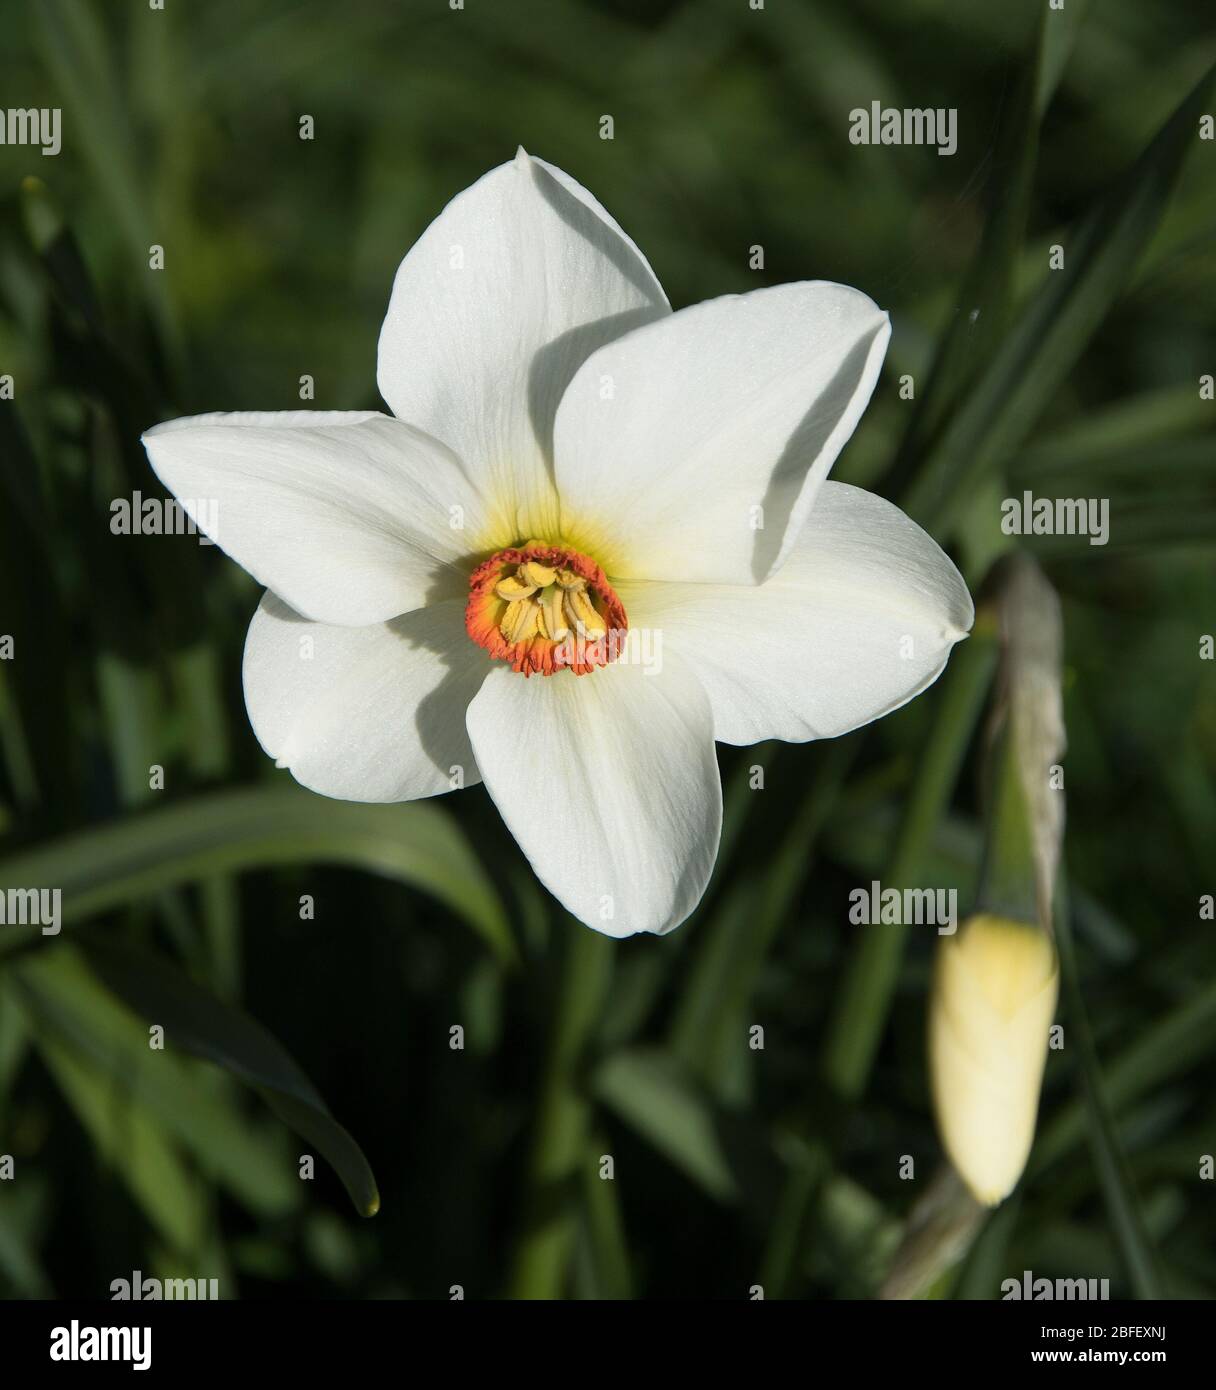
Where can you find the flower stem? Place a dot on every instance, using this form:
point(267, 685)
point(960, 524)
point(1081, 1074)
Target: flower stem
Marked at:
point(869, 985)
point(857, 1024)
point(542, 1257)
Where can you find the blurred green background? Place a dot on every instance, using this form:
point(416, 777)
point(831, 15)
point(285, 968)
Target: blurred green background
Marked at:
point(732, 1166)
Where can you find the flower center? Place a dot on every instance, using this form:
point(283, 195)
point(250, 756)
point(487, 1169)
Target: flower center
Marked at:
point(545, 608)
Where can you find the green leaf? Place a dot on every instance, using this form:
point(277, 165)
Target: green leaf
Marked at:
point(981, 312)
point(1123, 430)
point(604, 1241)
point(134, 1145)
point(655, 1096)
point(864, 997)
point(128, 1138)
point(53, 241)
point(559, 1143)
point(33, 712)
point(1184, 1037)
point(77, 51)
point(23, 1223)
point(206, 1027)
point(14, 1040)
point(1114, 1176)
point(1057, 34)
point(1056, 324)
point(734, 944)
point(90, 1033)
point(225, 832)
point(988, 1259)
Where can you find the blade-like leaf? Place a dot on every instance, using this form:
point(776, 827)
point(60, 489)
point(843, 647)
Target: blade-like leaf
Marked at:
point(1054, 327)
point(131, 859)
point(1184, 1037)
point(1122, 1200)
point(720, 983)
point(125, 1134)
point(206, 1027)
point(868, 987)
point(651, 1092)
point(135, 1146)
point(981, 311)
point(75, 1015)
point(603, 1236)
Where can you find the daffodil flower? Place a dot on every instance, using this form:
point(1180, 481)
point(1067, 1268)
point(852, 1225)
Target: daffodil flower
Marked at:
point(475, 587)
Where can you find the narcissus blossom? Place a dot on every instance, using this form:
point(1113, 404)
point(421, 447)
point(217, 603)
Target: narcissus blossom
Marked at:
point(593, 537)
point(995, 989)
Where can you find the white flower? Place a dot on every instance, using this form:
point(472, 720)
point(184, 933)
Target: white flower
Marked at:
point(570, 458)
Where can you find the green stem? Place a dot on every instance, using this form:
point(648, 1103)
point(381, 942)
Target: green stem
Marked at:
point(864, 1001)
point(798, 1193)
point(1114, 1176)
point(542, 1259)
point(1008, 879)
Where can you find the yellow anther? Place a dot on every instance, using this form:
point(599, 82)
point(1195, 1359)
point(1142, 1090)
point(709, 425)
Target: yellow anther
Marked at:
point(513, 587)
point(567, 579)
point(582, 615)
point(551, 610)
point(533, 572)
point(521, 621)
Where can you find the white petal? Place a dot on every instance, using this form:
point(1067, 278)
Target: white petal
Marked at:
point(502, 298)
point(610, 785)
point(691, 449)
point(859, 620)
point(348, 516)
point(365, 713)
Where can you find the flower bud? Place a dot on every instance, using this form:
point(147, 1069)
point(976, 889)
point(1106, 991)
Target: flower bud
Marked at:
point(994, 995)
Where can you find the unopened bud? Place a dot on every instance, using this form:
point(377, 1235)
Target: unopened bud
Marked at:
point(994, 996)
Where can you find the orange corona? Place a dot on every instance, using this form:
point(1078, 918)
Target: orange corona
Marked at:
point(545, 608)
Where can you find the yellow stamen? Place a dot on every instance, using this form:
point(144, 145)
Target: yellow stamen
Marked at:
point(551, 607)
point(513, 587)
point(582, 614)
point(533, 572)
point(524, 623)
